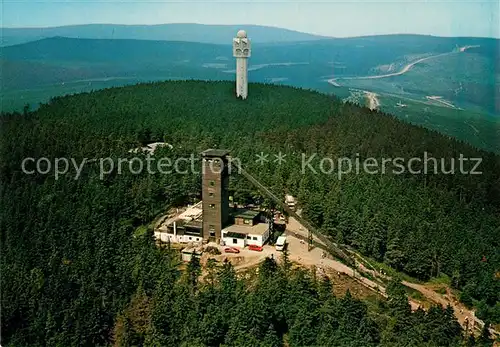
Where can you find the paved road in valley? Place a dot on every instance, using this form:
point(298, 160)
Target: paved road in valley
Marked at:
point(405, 69)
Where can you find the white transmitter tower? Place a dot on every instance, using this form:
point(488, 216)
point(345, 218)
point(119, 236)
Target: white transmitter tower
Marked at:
point(241, 51)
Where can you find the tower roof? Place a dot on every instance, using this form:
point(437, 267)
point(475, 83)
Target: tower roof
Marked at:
point(241, 34)
point(218, 153)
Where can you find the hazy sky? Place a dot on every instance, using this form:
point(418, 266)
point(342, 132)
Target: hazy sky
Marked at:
point(331, 18)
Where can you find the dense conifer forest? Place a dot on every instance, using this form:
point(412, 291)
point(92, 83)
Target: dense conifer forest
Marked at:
point(74, 270)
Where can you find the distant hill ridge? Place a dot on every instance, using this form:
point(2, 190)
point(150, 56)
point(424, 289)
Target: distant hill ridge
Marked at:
point(192, 32)
point(219, 34)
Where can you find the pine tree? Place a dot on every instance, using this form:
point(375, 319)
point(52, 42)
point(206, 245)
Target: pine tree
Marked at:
point(485, 337)
point(325, 288)
point(193, 272)
point(286, 260)
point(271, 339)
point(268, 268)
point(304, 330)
point(470, 341)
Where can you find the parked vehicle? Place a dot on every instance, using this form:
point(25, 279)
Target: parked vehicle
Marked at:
point(255, 248)
point(231, 250)
point(281, 243)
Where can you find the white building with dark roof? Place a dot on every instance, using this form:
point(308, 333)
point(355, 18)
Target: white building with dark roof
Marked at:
point(244, 235)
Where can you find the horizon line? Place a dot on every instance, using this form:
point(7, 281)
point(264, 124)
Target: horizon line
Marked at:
point(256, 25)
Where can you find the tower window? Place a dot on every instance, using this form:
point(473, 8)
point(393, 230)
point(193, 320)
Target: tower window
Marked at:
point(212, 205)
point(212, 183)
point(211, 194)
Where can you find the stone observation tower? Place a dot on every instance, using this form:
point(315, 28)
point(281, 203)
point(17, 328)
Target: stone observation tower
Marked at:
point(215, 193)
point(241, 51)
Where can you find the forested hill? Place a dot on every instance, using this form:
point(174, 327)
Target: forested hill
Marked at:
point(75, 272)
